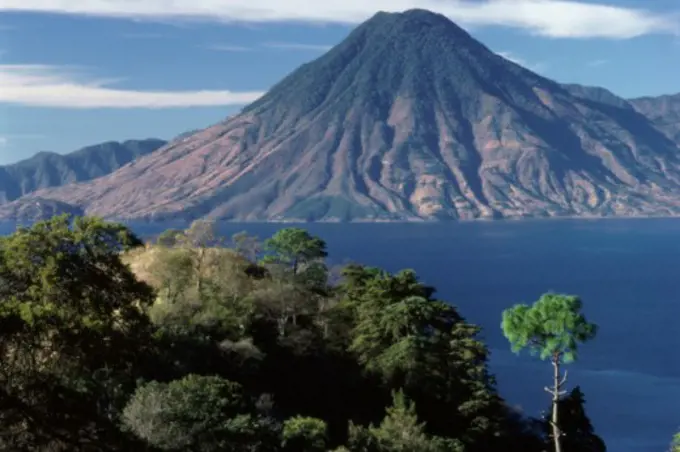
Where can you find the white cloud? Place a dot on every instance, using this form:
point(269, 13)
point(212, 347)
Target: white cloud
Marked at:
point(554, 18)
point(297, 46)
point(511, 57)
point(64, 87)
point(535, 67)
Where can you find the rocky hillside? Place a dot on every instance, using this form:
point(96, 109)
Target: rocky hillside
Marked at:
point(49, 169)
point(409, 118)
point(36, 208)
point(663, 111)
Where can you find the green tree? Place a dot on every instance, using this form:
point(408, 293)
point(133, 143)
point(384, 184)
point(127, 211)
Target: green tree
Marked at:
point(169, 237)
point(400, 431)
point(675, 445)
point(198, 414)
point(199, 240)
point(293, 248)
point(304, 434)
point(578, 434)
point(553, 327)
point(422, 346)
point(73, 331)
point(246, 245)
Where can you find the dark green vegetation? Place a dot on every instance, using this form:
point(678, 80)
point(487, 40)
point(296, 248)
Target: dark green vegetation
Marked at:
point(49, 169)
point(194, 345)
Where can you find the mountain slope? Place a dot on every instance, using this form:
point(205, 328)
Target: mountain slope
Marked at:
point(48, 169)
point(663, 111)
point(409, 118)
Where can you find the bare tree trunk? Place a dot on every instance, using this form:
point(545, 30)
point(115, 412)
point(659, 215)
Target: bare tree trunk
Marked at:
point(556, 392)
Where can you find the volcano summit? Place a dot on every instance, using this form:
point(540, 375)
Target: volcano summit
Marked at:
point(409, 118)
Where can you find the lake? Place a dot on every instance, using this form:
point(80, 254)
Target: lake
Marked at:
point(626, 271)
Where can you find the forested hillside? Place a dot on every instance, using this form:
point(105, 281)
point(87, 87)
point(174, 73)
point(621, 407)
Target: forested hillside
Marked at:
point(195, 343)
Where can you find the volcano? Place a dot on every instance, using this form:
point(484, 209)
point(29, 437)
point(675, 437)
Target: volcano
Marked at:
point(408, 119)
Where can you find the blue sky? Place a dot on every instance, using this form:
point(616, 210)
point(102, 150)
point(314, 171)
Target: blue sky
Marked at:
point(79, 72)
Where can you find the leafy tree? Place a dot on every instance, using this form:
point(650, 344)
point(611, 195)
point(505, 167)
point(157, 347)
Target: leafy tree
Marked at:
point(294, 247)
point(169, 238)
point(578, 434)
point(553, 327)
point(198, 414)
point(79, 333)
point(173, 275)
point(198, 241)
point(246, 245)
point(675, 445)
point(73, 331)
point(400, 431)
point(201, 288)
point(423, 346)
point(304, 434)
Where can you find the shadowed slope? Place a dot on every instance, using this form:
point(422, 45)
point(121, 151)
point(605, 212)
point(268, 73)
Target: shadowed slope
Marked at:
point(663, 111)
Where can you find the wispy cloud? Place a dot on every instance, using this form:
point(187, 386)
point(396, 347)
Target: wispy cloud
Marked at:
point(271, 45)
point(553, 18)
point(297, 46)
point(229, 48)
point(597, 63)
point(535, 67)
point(7, 139)
point(68, 87)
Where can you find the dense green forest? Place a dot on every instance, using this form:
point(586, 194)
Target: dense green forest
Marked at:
point(198, 343)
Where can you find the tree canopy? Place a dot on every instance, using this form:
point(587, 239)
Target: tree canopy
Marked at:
point(553, 328)
point(188, 344)
point(554, 325)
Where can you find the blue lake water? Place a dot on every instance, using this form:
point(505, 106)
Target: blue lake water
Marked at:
point(626, 271)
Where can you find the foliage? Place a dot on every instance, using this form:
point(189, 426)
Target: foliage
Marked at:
point(294, 247)
point(169, 237)
point(189, 345)
point(73, 329)
point(553, 326)
point(675, 445)
point(579, 434)
point(201, 414)
point(246, 245)
point(304, 434)
point(399, 431)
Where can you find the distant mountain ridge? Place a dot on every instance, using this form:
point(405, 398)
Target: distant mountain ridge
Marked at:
point(663, 111)
point(49, 169)
point(408, 119)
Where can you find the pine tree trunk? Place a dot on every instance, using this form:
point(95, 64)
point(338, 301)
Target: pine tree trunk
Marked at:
point(557, 433)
